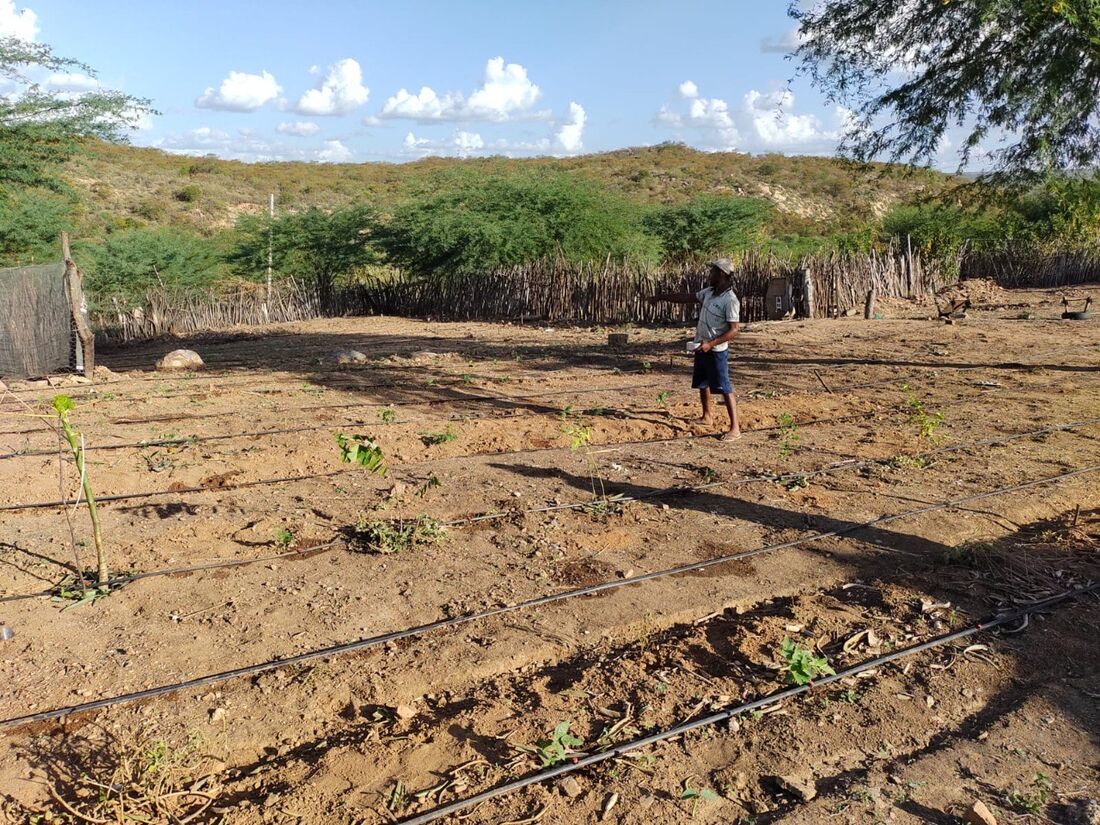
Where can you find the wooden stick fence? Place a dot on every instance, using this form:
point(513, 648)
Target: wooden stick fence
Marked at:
point(590, 294)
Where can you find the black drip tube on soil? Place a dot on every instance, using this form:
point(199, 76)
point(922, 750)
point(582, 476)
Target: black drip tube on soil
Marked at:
point(374, 641)
point(994, 621)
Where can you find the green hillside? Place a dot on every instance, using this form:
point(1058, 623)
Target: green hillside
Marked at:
point(123, 186)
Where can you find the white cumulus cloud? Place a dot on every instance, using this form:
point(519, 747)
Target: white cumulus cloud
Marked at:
point(688, 89)
point(71, 82)
point(505, 92)
point(240, 92)
point(334, 152)
point(570, 134)
point(340, 92)
point(21, 24)
point(764, 121)
point(299, 128)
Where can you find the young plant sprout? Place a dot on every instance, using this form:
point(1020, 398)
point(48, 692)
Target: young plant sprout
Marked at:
point(63, 405)
point(361, 450)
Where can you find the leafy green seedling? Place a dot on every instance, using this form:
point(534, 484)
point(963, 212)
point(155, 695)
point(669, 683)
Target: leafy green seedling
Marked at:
point(63, 405)
point(559, 747)
point(646, 366)
point(1034, 800)
point(388, 415)
point(926, 423)
point(388, 537)
point(284, 538)
point(696, 794)
point(662, 398)
point(800, 666)
point(361, 450)
point(430, 482)
point(790, 441)
point(445, 437)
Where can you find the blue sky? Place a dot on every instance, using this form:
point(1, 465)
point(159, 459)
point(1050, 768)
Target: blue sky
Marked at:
point(363, 81)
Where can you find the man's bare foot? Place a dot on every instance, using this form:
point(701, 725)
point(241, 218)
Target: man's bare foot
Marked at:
point(731, 435)
point(703, 421)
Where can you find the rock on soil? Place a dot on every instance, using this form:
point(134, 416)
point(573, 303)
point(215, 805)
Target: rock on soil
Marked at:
point(801, 786)
point(571, 787)
point(180, 359)
point(979, 814)
point(345, 356)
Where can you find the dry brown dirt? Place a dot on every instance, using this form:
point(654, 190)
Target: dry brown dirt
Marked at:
point(391, 730)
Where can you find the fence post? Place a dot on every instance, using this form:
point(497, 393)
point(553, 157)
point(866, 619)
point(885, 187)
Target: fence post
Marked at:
point(807, 293)
point(78, 307)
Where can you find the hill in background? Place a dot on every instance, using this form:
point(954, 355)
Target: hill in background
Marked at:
point(122, 186)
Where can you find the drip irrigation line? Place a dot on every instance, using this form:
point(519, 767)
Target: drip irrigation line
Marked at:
point(538, 601)
point(577, 505)
point(990, 623)
point(847, 465)
point(263, 482)
point(431, 402)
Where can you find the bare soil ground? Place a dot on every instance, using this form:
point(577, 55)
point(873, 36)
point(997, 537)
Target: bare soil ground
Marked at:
point(239, 462)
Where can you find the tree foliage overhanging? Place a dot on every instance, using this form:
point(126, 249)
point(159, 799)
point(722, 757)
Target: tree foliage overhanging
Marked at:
point(41, 128)
point(1021, 78)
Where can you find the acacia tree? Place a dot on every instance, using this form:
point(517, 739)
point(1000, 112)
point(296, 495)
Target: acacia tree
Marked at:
point(40, 128)
point(1020, 78)
point(312, 244)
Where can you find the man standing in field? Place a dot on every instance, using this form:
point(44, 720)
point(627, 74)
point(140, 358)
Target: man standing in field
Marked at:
point(719, 317)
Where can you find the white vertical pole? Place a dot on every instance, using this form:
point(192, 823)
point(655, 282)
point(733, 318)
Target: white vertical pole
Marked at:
point(270, 253)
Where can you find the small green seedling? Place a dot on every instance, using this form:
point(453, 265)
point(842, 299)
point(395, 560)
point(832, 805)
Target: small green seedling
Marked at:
point(800, 666)
point(284, 538)
point(1035, 800)
point(696, 794)
point(63, 405)
point(662, 398)
point(361, 450)
point(559, 747)
point(445, 437)
point(790, 442)
point(596, 411)
point(647, 366)
point(430, 482)
point(467, 378)
point(926, 423)
point(388, 415)
point(389, 537)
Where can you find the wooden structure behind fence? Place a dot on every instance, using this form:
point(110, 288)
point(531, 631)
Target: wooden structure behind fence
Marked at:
point(544, 292)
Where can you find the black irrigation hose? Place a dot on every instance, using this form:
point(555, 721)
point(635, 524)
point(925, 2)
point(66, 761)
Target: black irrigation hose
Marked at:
point(832, 468)
point(40, 505)
point(993, 621)
point(439, 624)
point(579, 505)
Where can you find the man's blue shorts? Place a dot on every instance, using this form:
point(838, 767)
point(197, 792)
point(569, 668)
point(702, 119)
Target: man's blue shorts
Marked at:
point(712, 371)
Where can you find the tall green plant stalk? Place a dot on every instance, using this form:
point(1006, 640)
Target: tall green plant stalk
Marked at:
point(63, 405)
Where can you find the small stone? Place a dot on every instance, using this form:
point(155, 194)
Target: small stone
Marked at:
point(801, 786)
point(571, 787)
point(979, 814)
point(405, 712)
point(180, 359)
point(217, 715)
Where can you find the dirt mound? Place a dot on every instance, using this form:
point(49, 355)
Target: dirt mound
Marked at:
point(980, 291)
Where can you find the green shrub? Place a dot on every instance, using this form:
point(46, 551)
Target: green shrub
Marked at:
point(189, 193)
point(30, 222)
point(478, 223)
point(709, 225)
point(133, 261)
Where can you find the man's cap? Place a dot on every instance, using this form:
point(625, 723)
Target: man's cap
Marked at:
point(724, 264)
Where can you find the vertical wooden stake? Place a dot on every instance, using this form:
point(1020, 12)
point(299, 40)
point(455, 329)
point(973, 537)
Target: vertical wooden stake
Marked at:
point(75, 291)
